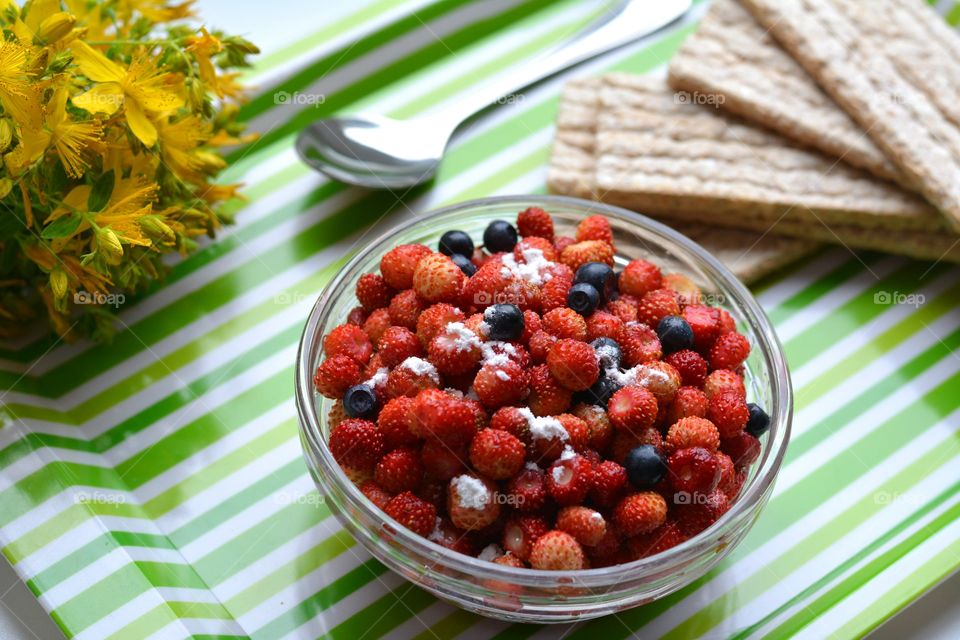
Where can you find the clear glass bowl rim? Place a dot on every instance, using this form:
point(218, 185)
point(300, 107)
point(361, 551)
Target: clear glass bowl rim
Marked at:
point(751, 495)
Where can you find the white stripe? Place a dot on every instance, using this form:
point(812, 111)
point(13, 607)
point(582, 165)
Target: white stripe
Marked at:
point(798, 280)
point(119, 617)
point(188, 627)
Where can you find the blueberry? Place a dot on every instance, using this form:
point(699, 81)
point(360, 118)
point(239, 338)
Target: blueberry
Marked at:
point(456, 242)
point(608, 353)
point(360, 401)
point(464, 263)
point(583, 298)
point(759, 421)
point(675, 334)
point(499, 235)
point(505, 321)
point(599, 393)
point(645, 467)
point(600, 276)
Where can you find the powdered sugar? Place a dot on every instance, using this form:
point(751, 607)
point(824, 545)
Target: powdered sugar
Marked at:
point(437, 534)
point(623, 378)
point(568, 453)
point(559, 474)
point(544, 427)
point(471, 492)
point(420, 367)
point(534, 269)
point(503, 375)
point(378, 379)
point(596, 516)
point(463, 338)
point(531, 466)
point(490, 553)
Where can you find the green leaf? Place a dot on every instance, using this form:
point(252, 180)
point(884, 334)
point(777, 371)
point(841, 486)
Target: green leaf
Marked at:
point(62, 227)
point(101, 192)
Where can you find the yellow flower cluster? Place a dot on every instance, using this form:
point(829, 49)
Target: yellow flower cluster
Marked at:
point(111, 114)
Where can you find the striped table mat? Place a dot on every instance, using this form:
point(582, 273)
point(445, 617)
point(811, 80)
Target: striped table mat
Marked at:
point(155, 487)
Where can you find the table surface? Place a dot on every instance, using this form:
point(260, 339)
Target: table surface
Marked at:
point(156, 485)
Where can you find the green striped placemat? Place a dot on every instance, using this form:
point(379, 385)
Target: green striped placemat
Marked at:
point(155, 486)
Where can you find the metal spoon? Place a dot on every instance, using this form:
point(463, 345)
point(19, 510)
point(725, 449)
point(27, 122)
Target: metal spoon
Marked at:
point(384, 153)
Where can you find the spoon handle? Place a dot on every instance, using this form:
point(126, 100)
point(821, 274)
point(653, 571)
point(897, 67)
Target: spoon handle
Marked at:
point(633, 20)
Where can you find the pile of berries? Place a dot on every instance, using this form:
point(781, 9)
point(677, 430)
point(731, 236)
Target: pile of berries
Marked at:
point(525, 404)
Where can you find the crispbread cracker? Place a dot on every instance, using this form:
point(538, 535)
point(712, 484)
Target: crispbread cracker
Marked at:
point(749, 255)
point(733, 62)
point(894, 66)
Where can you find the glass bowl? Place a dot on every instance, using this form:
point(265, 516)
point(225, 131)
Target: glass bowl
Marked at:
point(529, 595)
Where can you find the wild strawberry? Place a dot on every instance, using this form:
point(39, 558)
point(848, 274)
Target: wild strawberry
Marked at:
point(686, 289)
point(728, 412)
point(705, 322)
point(435, 319)
point(569, 479)
point(562, 242)
point(511, 420)
point(626, 441)
point(639, 344)
point(455, 350)
point(438, 279)
point(482, 288)
point(403, 381)
point(690, 365)
point(544, 246)
point(693, 472)
point(501, 384)
point(376, 323)
point(373, 292)
point(565, 323)
point(608, 551)
point(602, 324)
point(357, 316)
point(696, 516)
point(356, 443)
point(586, 525)
point(599, 429)
point(580, 253)
point(553, 293)
point(337, 414)
point(398, 264)
point(727, 323)
point(729, 351)
point(666, 536)
point(375, 493)
point(396, 345)
point(578, 433)
point(547, 397)
point(476, 325)
point(573, 364)
point(496, 454)
point(534, 221)
point(348, 340)
point(640, 513)
point(639, 277)
point(415, 514)
point(527, 491)
point(438, 415)
point(449, 536)
point(480, 417)
point(540, 344)
point(656, 305)
point(472, 502)
point(335, 375)
point(405, 308)
point(723, 380)
point(688, 402)
point(510, 560)
point(609, 483)
point(531, 324)
point(632, 409)
point(557, 551)
point(394, 422)
point(660, 379)
point(521, 532)
point(742, 448)
point(399, 471)
point(595, 228)
point(623, 308)
point(729, 480)
point(442, 462)
point(692, 432)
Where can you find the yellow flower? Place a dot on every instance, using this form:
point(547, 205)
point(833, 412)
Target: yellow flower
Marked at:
point(155, 10)
point(141, 89)
point(18, 96)
point(179, 141)
point(204, 47)
point(131, 199)
point(56, 26)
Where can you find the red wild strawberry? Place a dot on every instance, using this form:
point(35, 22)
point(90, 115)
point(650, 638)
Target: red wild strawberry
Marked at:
point(705, 322)
point(699, 514)
point(482, 288)
point(348, 340)
point(729, 481)
point(375, 493)
point(399, 471)
point(565, 323)
point(455, 350)
point(544, 246)
point(394, 422)
point(335, 375)
point(690, 365)
point(405, 308)
point(580, 253)
point(396, 345)
point(440, 416)
point(398, 264)
point(638, 278)
point(557, 551)
point(639, 344)
point(357, 316)
point(728, 412)
point(435, 319)
point(438, 279)
point(729, 351)
point(595, 228)
point(511, 420)
point(373, 292)
point(536, 222)
point(640, 513)
point(661, 379)
point(562, 242)
point(376, 323)
point(442, 462)
point(501, 384)
point(656, 305)
point(692, 432)
point(521, 532)
point(415, 514)
point(553, 293)
point(472, 502)
point(687, 291)
point(337, 414)
point(569, 479)
point(357, 444)
point(724, 380)
point(547, 397)
point(602, 324)
point(632, 409)
point(688, 402)
point(692, 472)
point(586, 525)
point(742, 448)
point(623, 308)
point(608, 551)
point(625, 441)
point(609, 483)
point(578, 433)
point(540, 344)
point(531, 324)
point(447, 535)
point(727, 323)
point(573, 364)
point(497, 454)
point(527, 491)
point(599, 429)
point(666, 536)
